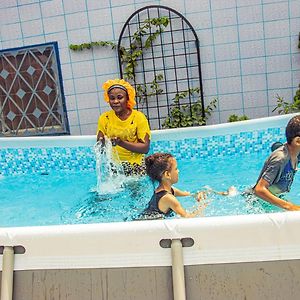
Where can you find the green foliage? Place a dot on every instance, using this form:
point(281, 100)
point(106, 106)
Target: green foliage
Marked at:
point(236, 118)
point(143, 92)
point(91, 45)
point(285, 107)
point(129, 57)
point(150, 29)
point(184, 115)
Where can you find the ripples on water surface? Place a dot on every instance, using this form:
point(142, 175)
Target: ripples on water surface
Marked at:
point(71, 198)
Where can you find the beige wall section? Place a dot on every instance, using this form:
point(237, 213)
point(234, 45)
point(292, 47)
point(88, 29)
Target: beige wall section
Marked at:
point(251, 281)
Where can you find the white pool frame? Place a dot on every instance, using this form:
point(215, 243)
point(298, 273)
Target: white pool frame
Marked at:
point(217, 240)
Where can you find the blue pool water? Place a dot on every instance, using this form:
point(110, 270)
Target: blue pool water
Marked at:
point(70, 197)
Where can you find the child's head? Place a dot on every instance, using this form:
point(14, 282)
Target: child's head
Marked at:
point(292, 129)
point(158, 164)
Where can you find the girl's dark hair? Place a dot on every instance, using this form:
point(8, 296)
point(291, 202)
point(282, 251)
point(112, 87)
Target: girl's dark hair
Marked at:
point(157, 164)
point(292, 129)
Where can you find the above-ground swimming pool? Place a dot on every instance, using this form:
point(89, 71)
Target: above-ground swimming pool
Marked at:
point(50, 207)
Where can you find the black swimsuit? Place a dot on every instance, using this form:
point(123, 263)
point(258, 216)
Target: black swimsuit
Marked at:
point(152, 211)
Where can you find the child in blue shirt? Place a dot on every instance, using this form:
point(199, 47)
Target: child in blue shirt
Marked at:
point(277, 174)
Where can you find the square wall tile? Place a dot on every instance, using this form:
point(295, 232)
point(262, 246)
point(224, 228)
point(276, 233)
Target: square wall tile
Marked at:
point(88, 116)
point(99, 17)
point(195, 6)
point(11, 15)
point(255, 99)
point(11, 32)
point(52, 8)
point(208, 70)
point(277, 46)
point(83, 69)
point(85, 85)
point(86, 101)
point(253, 66)
point(256, 112)
point(32, 28)
point(77, 21)
point(228, 68)
point(229, 85)
point(210, 87)
point(207, 54)
point(276, 11)
point(254, 83)
point(252, 49)
point(249, 32)
point(74, 6)
point(279, 80)
point(227, 52)
point(294, 9)
point(54, 24)
point(241, 3)
point(278, 63)
point(232, 101)
point(29, 12)
point(225, 35)
point(276, 29)
point(200, 20)
point(225, 17)
point(96, 4)
point(249, 14)
point(217, 4)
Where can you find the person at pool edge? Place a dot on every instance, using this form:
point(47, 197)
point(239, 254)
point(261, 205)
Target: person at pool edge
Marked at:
point(128, 129)
point(277, 174)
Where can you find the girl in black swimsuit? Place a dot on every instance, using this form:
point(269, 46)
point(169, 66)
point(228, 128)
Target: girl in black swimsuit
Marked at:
point(162, 167)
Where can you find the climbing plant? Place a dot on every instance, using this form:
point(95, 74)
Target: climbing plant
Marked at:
point(285, 107)
point(236, 118)
point(181, 115)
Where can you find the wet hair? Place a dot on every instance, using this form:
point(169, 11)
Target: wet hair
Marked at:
point(157, 164)
point(292, 129)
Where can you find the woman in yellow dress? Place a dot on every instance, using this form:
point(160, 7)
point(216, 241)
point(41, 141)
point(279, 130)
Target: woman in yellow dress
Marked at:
point(128, 129)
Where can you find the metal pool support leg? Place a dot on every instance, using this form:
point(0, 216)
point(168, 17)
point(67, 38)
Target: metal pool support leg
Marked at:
point(8, 261)
point(178, 270)
point(176, 246)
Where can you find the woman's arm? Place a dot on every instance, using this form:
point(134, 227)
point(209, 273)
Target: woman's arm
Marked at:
point(100, 136)
point(262, 191)
point(139, 147)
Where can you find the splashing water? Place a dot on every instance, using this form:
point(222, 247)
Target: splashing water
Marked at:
point(110, 175)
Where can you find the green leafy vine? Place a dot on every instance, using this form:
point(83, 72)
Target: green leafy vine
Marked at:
point(236, 118)
point(184, 115)
point(285, 107)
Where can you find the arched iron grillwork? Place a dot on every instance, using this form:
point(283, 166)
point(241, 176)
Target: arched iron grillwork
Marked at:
point(164, 61)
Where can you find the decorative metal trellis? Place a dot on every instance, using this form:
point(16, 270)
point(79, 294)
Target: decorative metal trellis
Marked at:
point(164, 61)
point(31, 95)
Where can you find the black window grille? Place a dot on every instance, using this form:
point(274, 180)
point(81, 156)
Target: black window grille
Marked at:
point(31, 93)
point(163, 61)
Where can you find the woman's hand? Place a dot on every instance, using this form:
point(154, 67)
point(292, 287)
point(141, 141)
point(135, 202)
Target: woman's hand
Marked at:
point(115, 141)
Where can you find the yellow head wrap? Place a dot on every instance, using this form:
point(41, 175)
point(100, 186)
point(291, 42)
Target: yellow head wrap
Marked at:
point(120, 82)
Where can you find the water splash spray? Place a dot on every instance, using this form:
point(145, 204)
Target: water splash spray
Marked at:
point(110, 174)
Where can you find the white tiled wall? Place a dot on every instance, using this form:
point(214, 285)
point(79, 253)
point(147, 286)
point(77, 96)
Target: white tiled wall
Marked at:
point(248, 49)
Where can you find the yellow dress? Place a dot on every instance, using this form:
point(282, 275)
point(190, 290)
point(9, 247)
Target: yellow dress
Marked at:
point(134, 128)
